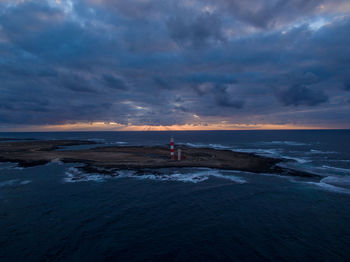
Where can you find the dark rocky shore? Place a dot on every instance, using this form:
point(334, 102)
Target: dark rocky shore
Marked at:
point(108, 159)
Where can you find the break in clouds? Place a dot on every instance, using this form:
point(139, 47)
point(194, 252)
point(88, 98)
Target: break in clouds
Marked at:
point(157, 62)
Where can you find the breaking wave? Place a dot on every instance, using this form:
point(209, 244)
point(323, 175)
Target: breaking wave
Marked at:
point(104, 141)
point(7, 165)
point(56, 161)
point(334, 184)
point(117, 143)
point(275, 153)
point(297, 159)
point(288, 143)
point(75, 175)
point(14, 183)
point(338, 182)
point(319, 152)
point(271, 152)
point(199, 145)
point(319, 170)
point(97, 140)
point(193, 177)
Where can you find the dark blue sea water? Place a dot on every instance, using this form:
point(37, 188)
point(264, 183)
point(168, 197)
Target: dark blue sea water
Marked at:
point(56, 213)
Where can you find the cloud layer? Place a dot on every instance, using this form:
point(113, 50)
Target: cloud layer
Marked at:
point(154, 62)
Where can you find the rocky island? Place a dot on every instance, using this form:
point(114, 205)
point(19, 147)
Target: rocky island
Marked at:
point(107, 159)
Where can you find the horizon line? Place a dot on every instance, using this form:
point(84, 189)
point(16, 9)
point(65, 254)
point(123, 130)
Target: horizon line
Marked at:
point(214, 130)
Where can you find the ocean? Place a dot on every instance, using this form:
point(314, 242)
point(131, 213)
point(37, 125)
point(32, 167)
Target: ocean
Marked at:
point(55, 212)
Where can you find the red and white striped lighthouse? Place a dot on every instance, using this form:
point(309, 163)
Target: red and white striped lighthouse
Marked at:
point(172, 148)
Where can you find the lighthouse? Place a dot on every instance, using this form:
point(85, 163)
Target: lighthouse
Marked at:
point(172, 148)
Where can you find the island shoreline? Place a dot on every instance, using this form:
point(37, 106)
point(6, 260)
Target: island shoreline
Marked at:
point(109, 159)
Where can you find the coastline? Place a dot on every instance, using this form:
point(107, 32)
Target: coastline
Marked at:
point(108, 159)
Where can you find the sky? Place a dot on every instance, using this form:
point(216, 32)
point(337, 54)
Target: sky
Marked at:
point(174, 64)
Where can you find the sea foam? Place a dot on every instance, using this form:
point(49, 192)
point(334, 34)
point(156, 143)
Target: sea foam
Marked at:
point(288, 143)
point(193, 177)
point(73, 175)
point(329, 187)
point(269, 152)
point(14, 183)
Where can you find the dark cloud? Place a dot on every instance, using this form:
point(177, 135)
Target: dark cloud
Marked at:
point(225, 98)
point(114, 82)
point(301, 95)
point(174, 62)
point(226, 101)
point(347, 85)
point(212, 78)
point(76, 83)
point(196, 32)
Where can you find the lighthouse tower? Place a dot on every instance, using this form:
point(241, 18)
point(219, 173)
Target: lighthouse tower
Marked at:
point(172, 149)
